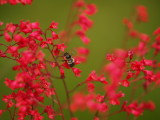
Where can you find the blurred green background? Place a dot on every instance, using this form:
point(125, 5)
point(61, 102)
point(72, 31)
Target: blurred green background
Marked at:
point(106, 34)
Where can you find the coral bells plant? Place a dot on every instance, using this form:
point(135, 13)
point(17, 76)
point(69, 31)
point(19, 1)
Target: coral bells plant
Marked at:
point(38, 54)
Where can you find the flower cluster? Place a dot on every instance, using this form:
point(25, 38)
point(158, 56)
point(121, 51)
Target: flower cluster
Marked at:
point(33, 80)
point(14, 2)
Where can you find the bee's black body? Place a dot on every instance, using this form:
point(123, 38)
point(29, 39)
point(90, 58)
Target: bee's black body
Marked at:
point(69, 59)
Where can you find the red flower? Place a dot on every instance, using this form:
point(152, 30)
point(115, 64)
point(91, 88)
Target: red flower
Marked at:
point(1, 112)
point(142, 13)
point(128, 23)
point(61, 72)
point(144, 37)
point(34, 25)
point(133, 33)
point(92, 76)
point(13, 50)
point(157, 31)
point(61, 46)
point(137, 66)
point(79, 3)
point(74, 118)
point(11, 27)
point(54, 36)
point(53, 25)
point(7, 37)
point(125, 83)
point(50, 112)
point(96, 118)
point(1, 23)
point(102, 107)
point(85, 22)
point(83, 51)
point(76, 71)
point(83, 37)
point(91, 9)
point(90, 87)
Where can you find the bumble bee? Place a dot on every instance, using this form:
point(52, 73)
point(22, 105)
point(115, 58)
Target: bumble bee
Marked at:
point(69, 59)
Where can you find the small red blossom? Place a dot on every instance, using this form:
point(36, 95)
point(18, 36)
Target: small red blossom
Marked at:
point(35, 25)
point(77, 72)
point(61, 47)
point(110, 57)
point(92, 76)
point(13, 50)
point(1, 23)
point(83, 51)
point(11, 27)
point(85, 22)
point(61, 72)
point(137, 66)
point(133, 33)
point(128, 23)
point(102, 107)
point(7, 37)
point(130, 54)
point(100, 98)
point(138, 109)
point(54, 36)
point(50, 112)
point(1, 112)
point(74, 118)
point(91, 9)
point(79, 3)
point(90, 87)
point(40, 55)
point(53, 25)
point(125, 83)
point(96, 118)
point(142, 14)
point(149, 105)
point(157, 31)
